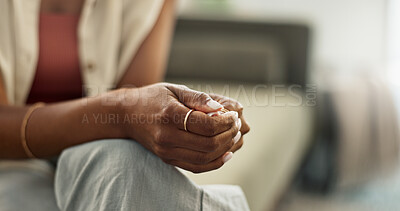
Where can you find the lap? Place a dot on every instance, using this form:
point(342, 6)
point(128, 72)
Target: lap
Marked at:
point(119, 173)
point(26, 185)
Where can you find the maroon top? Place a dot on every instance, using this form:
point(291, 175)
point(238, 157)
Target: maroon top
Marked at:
point(58, 74)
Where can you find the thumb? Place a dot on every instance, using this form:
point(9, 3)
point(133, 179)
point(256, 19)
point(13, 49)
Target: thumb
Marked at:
point(199, 101)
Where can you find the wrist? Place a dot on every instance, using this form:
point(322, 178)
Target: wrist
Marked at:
point(111, 107)
point(126, 103)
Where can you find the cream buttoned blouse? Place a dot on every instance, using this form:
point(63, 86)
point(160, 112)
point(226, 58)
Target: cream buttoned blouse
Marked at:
point(109, 33)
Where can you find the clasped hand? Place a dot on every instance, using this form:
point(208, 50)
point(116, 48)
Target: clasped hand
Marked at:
point(209, 141)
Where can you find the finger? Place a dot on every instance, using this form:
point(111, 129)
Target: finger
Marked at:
point(237, 146)
point(194, 157)
point(194, 99)
point(234, 105)
point(203, 124)
point(228, 103)
point(217, 144)
point(199, 122)
point(196, 168)
point(245, 128)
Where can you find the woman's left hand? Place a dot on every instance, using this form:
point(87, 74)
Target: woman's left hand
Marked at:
point(234, 105)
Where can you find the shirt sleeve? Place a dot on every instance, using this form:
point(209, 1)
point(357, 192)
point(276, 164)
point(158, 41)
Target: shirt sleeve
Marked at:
point(138, 18)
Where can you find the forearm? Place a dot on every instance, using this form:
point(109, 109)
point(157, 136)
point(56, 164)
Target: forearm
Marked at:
point(149, 64)
point(55, 127)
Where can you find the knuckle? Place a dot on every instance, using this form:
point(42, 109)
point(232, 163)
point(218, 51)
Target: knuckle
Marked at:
point(168, 110)
point(182, 91)
point(203, 96)
point(208, 157)
point(229, 145)
point(161, 139)
point(245, 129)
point(202, 159)
point(234, 131)
point(231, 121)
point(211, 128)
point(212, 144)
point(240, 144)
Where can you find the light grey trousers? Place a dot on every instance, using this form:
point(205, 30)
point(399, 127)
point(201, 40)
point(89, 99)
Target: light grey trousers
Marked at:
point(110, 175)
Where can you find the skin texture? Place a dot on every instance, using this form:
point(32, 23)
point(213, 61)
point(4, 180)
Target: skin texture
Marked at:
point(148, 66)
point(234, 105)
point(154, 113)
point(162, 132)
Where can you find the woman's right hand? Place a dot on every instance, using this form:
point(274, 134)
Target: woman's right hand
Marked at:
point(154, 116)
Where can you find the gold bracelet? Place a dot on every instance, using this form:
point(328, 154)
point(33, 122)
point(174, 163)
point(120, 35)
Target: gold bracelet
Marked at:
point(25, 121)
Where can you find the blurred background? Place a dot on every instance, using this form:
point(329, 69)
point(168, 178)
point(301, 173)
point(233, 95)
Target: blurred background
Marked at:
point(318, 80)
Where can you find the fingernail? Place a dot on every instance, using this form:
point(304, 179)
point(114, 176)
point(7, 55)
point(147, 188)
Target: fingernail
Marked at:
point(214, 105)
point(239, 123)
point(217, 113)
point(237, 137)
point(232, 113)
point(227, 157)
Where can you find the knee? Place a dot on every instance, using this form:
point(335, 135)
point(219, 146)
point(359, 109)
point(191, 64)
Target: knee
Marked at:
point(104, 166)
point(115, 173)
point(104, 155)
